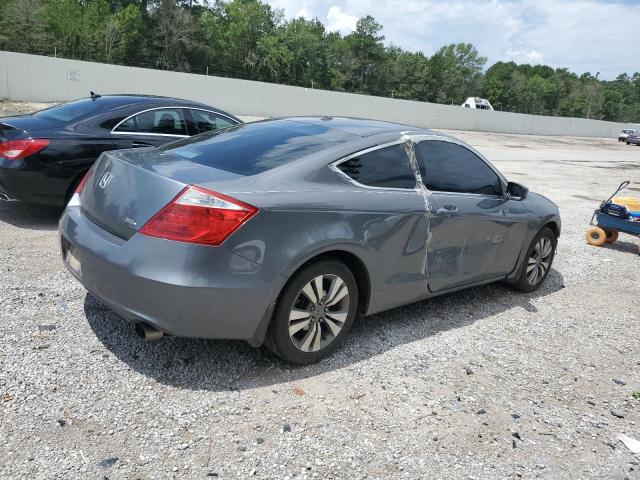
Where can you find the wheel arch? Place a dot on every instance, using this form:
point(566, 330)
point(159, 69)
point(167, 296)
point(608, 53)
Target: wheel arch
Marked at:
point(553, 226)
point(350, 259)
point(354, 263)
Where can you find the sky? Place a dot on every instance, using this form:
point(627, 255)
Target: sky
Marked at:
point(582, 35)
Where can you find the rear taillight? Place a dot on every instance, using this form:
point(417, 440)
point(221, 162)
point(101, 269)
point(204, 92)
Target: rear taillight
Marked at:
point(17, 149)
point(199, 216)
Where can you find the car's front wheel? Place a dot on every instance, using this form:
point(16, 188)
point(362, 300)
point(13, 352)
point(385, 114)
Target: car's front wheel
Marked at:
point(314, 313)
point(538, 261)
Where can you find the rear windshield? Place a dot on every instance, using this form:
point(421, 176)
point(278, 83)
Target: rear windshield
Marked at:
point(72, 111)
point(253, 148)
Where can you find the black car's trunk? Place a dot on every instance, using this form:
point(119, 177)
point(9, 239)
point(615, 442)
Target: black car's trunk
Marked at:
point(11, 127)
point(7, 132)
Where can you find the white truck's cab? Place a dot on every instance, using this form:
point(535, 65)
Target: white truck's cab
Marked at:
point(477, 102)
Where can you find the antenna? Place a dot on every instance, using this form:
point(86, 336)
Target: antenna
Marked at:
point(94, 95)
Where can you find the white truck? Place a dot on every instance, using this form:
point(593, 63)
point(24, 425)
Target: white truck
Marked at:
point(477, 102)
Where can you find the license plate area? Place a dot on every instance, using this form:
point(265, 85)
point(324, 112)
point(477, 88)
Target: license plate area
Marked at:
point(71, 259)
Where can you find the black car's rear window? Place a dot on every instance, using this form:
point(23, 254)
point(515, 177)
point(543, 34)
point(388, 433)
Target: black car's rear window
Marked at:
point(253, 148)
point(72, 111)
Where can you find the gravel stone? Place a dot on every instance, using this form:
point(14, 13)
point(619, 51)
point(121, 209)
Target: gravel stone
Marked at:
point(108, 462)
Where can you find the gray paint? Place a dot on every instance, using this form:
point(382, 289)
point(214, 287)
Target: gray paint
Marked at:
point(35, 78)
point(307, 208)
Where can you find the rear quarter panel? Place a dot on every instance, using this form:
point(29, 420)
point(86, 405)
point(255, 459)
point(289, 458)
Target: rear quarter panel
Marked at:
point(385, 229)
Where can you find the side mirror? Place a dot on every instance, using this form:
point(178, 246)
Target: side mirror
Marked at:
point(517, 191)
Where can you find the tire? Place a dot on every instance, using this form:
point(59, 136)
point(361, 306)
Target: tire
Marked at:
point(538, 261)
point(610, 235)
point(306, 327)
point(596, 236)
point(628, 143)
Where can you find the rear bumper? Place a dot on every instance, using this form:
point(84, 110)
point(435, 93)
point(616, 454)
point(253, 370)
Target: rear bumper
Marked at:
point(182, 289)
point(12, 181)
point(32, 183)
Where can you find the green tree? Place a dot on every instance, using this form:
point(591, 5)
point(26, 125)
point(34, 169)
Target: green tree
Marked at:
point(306, 41)
point(244, 23)
point(63, 18)
point(365, 52)
point(129, 45)
point(535, 90)
point(173, 36)
point(23, 27)
point(410, 74)
point(96, 40)
point(453, 69)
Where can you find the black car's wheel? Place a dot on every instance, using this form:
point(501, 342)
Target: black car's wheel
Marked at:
point(314, 313)
point(538, 261)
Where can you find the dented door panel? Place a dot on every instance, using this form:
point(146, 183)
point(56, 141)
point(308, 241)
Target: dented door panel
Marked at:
point(472, 238)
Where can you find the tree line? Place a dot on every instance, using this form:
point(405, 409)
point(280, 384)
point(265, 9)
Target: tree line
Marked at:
point(250, 39)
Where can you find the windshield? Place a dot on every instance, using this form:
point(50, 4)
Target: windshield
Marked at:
point(72, 111)
point(253, 148)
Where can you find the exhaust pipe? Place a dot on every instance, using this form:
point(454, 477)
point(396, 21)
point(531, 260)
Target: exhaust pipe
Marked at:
point(147, 332)
point(6, 198)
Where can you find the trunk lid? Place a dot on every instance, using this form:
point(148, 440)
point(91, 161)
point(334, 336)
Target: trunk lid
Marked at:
point(26, 124)
point(7, 132)
point(121, 197)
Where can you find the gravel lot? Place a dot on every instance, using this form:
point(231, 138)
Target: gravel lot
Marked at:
point(482, 384)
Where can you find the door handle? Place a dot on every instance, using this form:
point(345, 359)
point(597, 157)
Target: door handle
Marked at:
point(448, 210)
point(140, 144)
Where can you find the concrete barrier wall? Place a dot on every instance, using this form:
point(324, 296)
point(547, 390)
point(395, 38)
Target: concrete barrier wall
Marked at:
point(37, 78)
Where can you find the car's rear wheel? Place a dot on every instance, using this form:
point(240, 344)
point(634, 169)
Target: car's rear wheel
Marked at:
point(314, 312)
point(538, 261)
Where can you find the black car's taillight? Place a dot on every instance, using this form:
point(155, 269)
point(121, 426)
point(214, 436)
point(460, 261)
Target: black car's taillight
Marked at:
point(17, 149)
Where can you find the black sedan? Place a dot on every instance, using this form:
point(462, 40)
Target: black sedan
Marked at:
point(43, 156)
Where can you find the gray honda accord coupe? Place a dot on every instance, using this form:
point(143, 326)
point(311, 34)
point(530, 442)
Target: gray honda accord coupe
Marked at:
point(283, 231)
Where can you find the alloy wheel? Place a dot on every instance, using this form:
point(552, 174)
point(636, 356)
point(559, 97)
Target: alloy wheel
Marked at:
point(539, 261)
point(319, 313)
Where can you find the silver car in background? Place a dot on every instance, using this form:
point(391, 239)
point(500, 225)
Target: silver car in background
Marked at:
point(624, 134)
point(282, 231)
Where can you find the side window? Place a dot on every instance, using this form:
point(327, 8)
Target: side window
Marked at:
point(111, 122)
point(166, 121)
point(204, 121)
point(448, 167)
point(386, 167)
